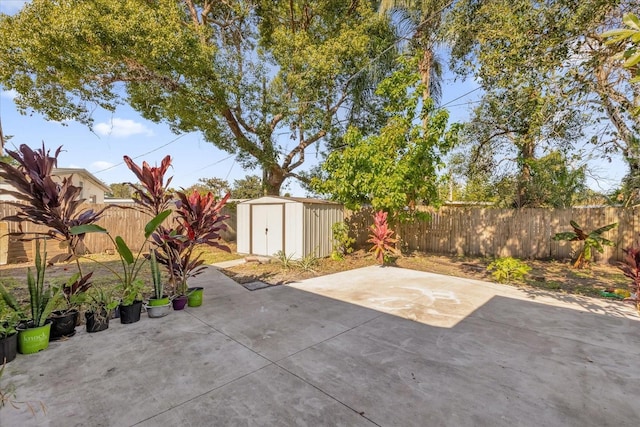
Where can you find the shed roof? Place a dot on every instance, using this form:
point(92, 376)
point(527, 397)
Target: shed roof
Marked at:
point(304, 200)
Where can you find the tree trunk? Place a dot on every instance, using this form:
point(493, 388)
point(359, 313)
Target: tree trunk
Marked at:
point(424, 67)
point(527, 153)
point(273, 177)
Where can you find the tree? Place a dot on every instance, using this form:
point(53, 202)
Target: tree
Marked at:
point(425, 19)
point(217, 186)
point(239, 72)
point(561, 38)
point(513, 125)
point(120, 190)
point(395, 170)
point(249, 187)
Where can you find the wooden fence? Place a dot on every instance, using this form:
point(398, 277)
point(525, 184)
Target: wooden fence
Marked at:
point(523, 233)
point(487, 232)
point(128, 223)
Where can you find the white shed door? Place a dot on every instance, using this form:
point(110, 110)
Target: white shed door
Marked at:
point(266, 229)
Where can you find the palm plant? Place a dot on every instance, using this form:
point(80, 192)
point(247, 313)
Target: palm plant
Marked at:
point(424, 19)
point(592, 240)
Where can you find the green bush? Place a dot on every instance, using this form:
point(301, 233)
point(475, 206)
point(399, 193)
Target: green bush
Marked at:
point(342, 243)
point(507, 269)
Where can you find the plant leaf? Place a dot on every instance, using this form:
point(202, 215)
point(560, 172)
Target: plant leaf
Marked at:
point(87, 228)
point(124, 250)
point(155, 223)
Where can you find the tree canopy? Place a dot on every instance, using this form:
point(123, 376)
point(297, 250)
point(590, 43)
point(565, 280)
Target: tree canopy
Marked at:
point(242, 73)
point(395, 170)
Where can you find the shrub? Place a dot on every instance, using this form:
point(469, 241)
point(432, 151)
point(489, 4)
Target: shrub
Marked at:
point(342, 242)
point(506, 269)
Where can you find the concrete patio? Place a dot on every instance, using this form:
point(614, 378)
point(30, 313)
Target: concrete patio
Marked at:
point(374, 346)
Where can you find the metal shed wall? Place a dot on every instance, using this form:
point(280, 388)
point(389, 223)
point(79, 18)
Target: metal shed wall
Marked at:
point(243, 229)
point(318, 222)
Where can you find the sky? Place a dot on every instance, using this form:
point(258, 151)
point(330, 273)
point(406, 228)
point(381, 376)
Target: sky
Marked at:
point(125, 132)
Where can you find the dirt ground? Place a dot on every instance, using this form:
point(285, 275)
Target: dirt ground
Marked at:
point(550, 275)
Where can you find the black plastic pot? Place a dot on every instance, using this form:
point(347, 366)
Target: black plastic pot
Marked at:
point(130, 313)
point(97, 323)
point(63, 324)
point(8, 348)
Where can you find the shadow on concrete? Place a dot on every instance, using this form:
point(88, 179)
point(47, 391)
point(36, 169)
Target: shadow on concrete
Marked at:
point(285, 356)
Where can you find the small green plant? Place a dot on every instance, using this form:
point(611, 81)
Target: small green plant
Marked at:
point(507, 269)
point(308, 262)
point(42, 299)
point(592, 240)
point(342, 243)
point(286, 261)
point(100, 299)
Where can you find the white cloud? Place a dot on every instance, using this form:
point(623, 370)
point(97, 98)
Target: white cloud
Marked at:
point(9, 94)
point(100, 165)
point(122, 128)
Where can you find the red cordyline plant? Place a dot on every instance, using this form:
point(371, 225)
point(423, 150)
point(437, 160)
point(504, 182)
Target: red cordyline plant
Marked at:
point(380, 236)
point(152, 195)
point(198, 218)
point(55, 205)
point(631, 269)
point(199, 223)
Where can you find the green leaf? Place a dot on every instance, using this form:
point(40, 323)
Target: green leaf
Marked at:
point(632, 21)
point(155, 223)
point(633, 60)
point(567, 235)
point(603, 229)
point(124, 250)
point(87, 228)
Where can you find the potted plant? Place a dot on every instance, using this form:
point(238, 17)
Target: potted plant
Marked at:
point(33, 334)
point(199, 223)
point(8, 332)
point(159, 304)
point(631, 269)
point(100, 304)
point(65, 319)
point(129, 285)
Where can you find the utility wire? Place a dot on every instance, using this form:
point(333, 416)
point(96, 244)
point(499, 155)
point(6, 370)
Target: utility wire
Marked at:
point(143, 154)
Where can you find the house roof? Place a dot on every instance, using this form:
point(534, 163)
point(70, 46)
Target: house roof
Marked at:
point(62, 172)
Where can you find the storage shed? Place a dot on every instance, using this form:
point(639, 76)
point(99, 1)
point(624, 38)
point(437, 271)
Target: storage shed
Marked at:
point(296, 226)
